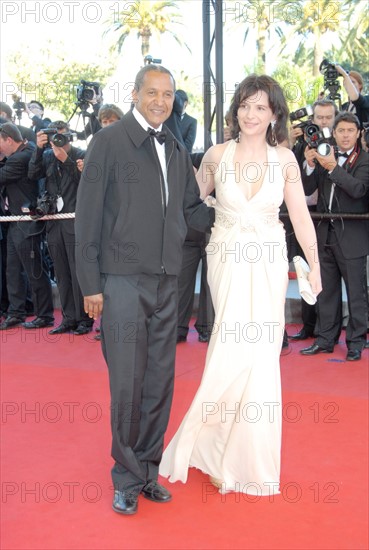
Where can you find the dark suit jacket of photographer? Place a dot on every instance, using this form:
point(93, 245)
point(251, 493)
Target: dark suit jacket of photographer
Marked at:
point(351, 195)
point(14, 177)
point(188, 127)
point(121, 226)
point(61, 177)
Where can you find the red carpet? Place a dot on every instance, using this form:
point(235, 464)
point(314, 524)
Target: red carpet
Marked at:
point(55, 473)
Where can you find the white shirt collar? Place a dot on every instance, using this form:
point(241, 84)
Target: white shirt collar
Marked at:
point(142, 120)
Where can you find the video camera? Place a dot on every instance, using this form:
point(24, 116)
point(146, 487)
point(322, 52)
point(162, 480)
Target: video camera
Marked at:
point(148, 59)
point(86, 92)
point(59, 140)
point(301, 113)
point(331, 83)
point(18, 105)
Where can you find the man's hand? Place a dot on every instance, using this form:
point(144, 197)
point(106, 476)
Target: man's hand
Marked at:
point(328, 162)
point(93, 305)
point(42, 140)
point(295, 133)
point(80, 164)
point(34, 110)
point(59, 153)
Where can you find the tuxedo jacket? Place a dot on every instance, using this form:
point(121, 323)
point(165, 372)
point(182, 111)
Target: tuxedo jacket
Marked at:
point(351, 195)
point(122, 225)
point(188, 127)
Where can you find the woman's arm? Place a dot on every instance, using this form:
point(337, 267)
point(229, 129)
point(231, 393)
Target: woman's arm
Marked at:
point(210, 164)
point(300, 217)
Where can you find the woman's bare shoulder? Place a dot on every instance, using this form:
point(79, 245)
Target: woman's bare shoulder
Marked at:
point(215, 153)
point(285, 154)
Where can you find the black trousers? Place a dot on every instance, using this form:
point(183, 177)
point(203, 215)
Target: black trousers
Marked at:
point(193, 253)
point(333, 267)
point(138, 328)
point(62, 243)
point(24, 253)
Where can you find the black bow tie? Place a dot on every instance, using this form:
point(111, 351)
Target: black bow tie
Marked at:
point(346, 155)
point(160, 136)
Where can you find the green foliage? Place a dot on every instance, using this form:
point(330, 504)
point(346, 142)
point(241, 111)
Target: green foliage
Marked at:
point(299, 87)
point(52, 78)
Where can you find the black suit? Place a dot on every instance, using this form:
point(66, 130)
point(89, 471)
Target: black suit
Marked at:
point(188, 127)
point(343, 246)
point(24, 241)
point(130, 248)
point(62, 178)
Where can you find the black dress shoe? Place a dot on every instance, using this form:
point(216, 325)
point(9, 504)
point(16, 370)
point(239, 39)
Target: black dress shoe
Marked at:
point(181, 338)
point(156, 492)
point(125, 502)
point(10, 321)
point(39, 322)
point(64, 327)
point(303, 334)
point(353, 355)
point(82, 328)
point(314, 349)
point(203, 337)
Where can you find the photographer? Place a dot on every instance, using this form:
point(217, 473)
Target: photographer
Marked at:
point(23, 238)
point(341, 177)
point(358, 103)
point(323, 113)
point(58, 165)
point(89, 94)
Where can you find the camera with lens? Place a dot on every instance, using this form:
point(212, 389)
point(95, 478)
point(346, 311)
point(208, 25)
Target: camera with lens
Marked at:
point(45, 205)
point(297, 115)
point(86, 92)
point(301, 113)
point(59, 140)
point(317, 138)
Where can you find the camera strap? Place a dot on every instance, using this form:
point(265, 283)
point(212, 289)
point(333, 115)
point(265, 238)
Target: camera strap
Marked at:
point(350, 162)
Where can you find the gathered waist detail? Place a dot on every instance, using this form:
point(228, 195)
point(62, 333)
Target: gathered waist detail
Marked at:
point(246, 223)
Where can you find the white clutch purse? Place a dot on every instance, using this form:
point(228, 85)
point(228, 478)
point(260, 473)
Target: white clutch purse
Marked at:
point(302, 271)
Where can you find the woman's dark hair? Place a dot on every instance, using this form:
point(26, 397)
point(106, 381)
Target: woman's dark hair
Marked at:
point(251, 85)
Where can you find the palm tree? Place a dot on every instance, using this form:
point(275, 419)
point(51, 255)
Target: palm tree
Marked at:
point(319, 17)
point(146, 18)
point(354, 41)
point(261, 16)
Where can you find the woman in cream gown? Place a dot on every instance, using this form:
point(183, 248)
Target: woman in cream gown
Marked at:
point(232, 431)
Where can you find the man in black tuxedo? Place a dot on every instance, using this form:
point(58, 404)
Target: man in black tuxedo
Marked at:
point(324, 113)
point(188, 124)
point(136, 193)
point(343, 244)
